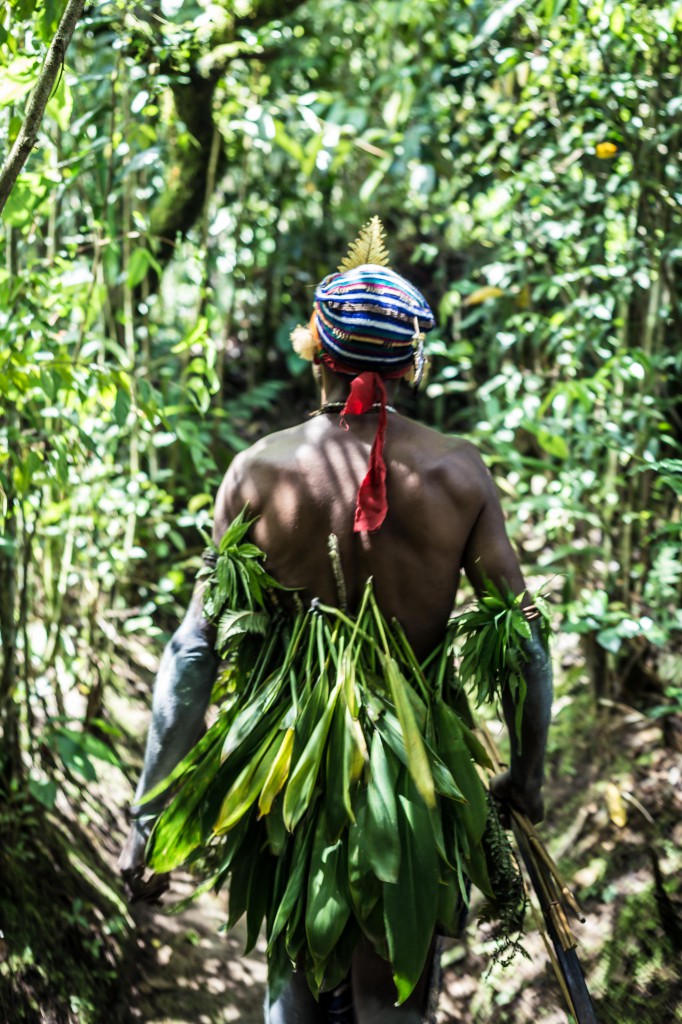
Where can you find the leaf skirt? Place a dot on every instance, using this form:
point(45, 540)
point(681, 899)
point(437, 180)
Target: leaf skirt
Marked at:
point(338, 793)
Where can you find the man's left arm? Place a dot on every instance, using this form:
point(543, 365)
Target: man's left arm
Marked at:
point(489, 557)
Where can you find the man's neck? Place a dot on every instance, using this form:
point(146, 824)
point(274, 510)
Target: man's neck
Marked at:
point(335, 388)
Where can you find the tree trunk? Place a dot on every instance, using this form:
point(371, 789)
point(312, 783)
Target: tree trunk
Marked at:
point(10, 758)
point(28, 133)
point(184, 197)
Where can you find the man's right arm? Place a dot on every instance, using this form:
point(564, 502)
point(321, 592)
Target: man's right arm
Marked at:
point(182, 691)
point(489, 557)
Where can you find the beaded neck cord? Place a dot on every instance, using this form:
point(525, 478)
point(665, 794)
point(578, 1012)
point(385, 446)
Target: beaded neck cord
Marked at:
point(340, 406)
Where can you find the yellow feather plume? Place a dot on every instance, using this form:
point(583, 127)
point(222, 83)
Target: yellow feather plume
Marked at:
point(368, 247)
point(305, 340)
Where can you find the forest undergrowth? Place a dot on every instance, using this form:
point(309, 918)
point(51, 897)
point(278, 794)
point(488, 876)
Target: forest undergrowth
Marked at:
point(65, 955)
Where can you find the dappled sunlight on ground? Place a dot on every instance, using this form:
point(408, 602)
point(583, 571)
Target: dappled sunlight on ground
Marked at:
point(187, 973)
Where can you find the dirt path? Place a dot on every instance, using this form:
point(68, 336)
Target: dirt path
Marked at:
point(188, 973)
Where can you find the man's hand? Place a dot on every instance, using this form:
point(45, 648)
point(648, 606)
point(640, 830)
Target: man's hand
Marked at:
point(528, 800)
point(132, 867)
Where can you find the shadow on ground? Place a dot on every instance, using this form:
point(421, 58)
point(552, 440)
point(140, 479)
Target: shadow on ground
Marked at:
point(188, 973)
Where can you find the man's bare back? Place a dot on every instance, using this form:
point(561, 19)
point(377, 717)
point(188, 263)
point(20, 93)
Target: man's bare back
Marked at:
point(443, 515)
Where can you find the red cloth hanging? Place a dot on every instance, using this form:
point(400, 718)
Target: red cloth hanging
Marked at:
point(367, 390)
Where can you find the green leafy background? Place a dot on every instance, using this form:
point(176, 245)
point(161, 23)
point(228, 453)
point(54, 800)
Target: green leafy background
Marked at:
point(200, 167)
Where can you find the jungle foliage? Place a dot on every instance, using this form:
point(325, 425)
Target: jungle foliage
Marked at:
point(200, 167)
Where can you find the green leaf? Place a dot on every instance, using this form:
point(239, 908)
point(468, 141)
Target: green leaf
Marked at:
point(417, 760)
point(72, 753)
point(381, 836)
point(17, 79)
point(278, 774)
point(312, 701)
point(196, 335)
point(553, 443)
point(95, 747)
point(617, 22)
point(476, 748)
point(248, 717)
point(235, 532)
point(443, 779)
point(302, 782)
point(121, 406)
point(214, 736)
point(141, 260)
point(456, 754)
point(242, 872)
point(364, 887)
point(340, 753)
point(179, 830)
point(45, 791)
point(233, 624)
point(328, 905)
point(288, 144)
point(247, 786)
point(338, 963)
point(410, 904)
point(449, 904)
point(311, 151)
point(298, 873)
point(278, 837)
point(259, 895)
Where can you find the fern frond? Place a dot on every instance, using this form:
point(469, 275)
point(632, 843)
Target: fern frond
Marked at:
point(368, 247)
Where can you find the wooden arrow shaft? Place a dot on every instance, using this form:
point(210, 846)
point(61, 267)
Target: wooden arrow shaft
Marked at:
point(551, 890)
point(572, 981)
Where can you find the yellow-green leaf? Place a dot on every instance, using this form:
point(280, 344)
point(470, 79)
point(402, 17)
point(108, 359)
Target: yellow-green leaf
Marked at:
point(246, 787)
point(277, 776)
point(475, 298)
point(417, 759)
point(302, 782)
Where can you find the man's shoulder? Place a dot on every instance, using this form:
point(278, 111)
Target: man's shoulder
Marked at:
point(253, 471)
point(453, 464)
point(448, 448)
point(276, 448)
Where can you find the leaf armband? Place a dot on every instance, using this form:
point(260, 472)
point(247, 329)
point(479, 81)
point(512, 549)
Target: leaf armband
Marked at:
point(495, 639)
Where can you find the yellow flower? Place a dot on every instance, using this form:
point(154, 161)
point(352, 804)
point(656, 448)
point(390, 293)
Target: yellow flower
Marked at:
point(605, 150)
point(489, 291)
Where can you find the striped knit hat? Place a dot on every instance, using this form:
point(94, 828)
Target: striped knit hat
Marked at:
point(367, 318)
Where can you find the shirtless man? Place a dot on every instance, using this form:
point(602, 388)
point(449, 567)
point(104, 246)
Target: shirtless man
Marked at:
point(439, 513)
